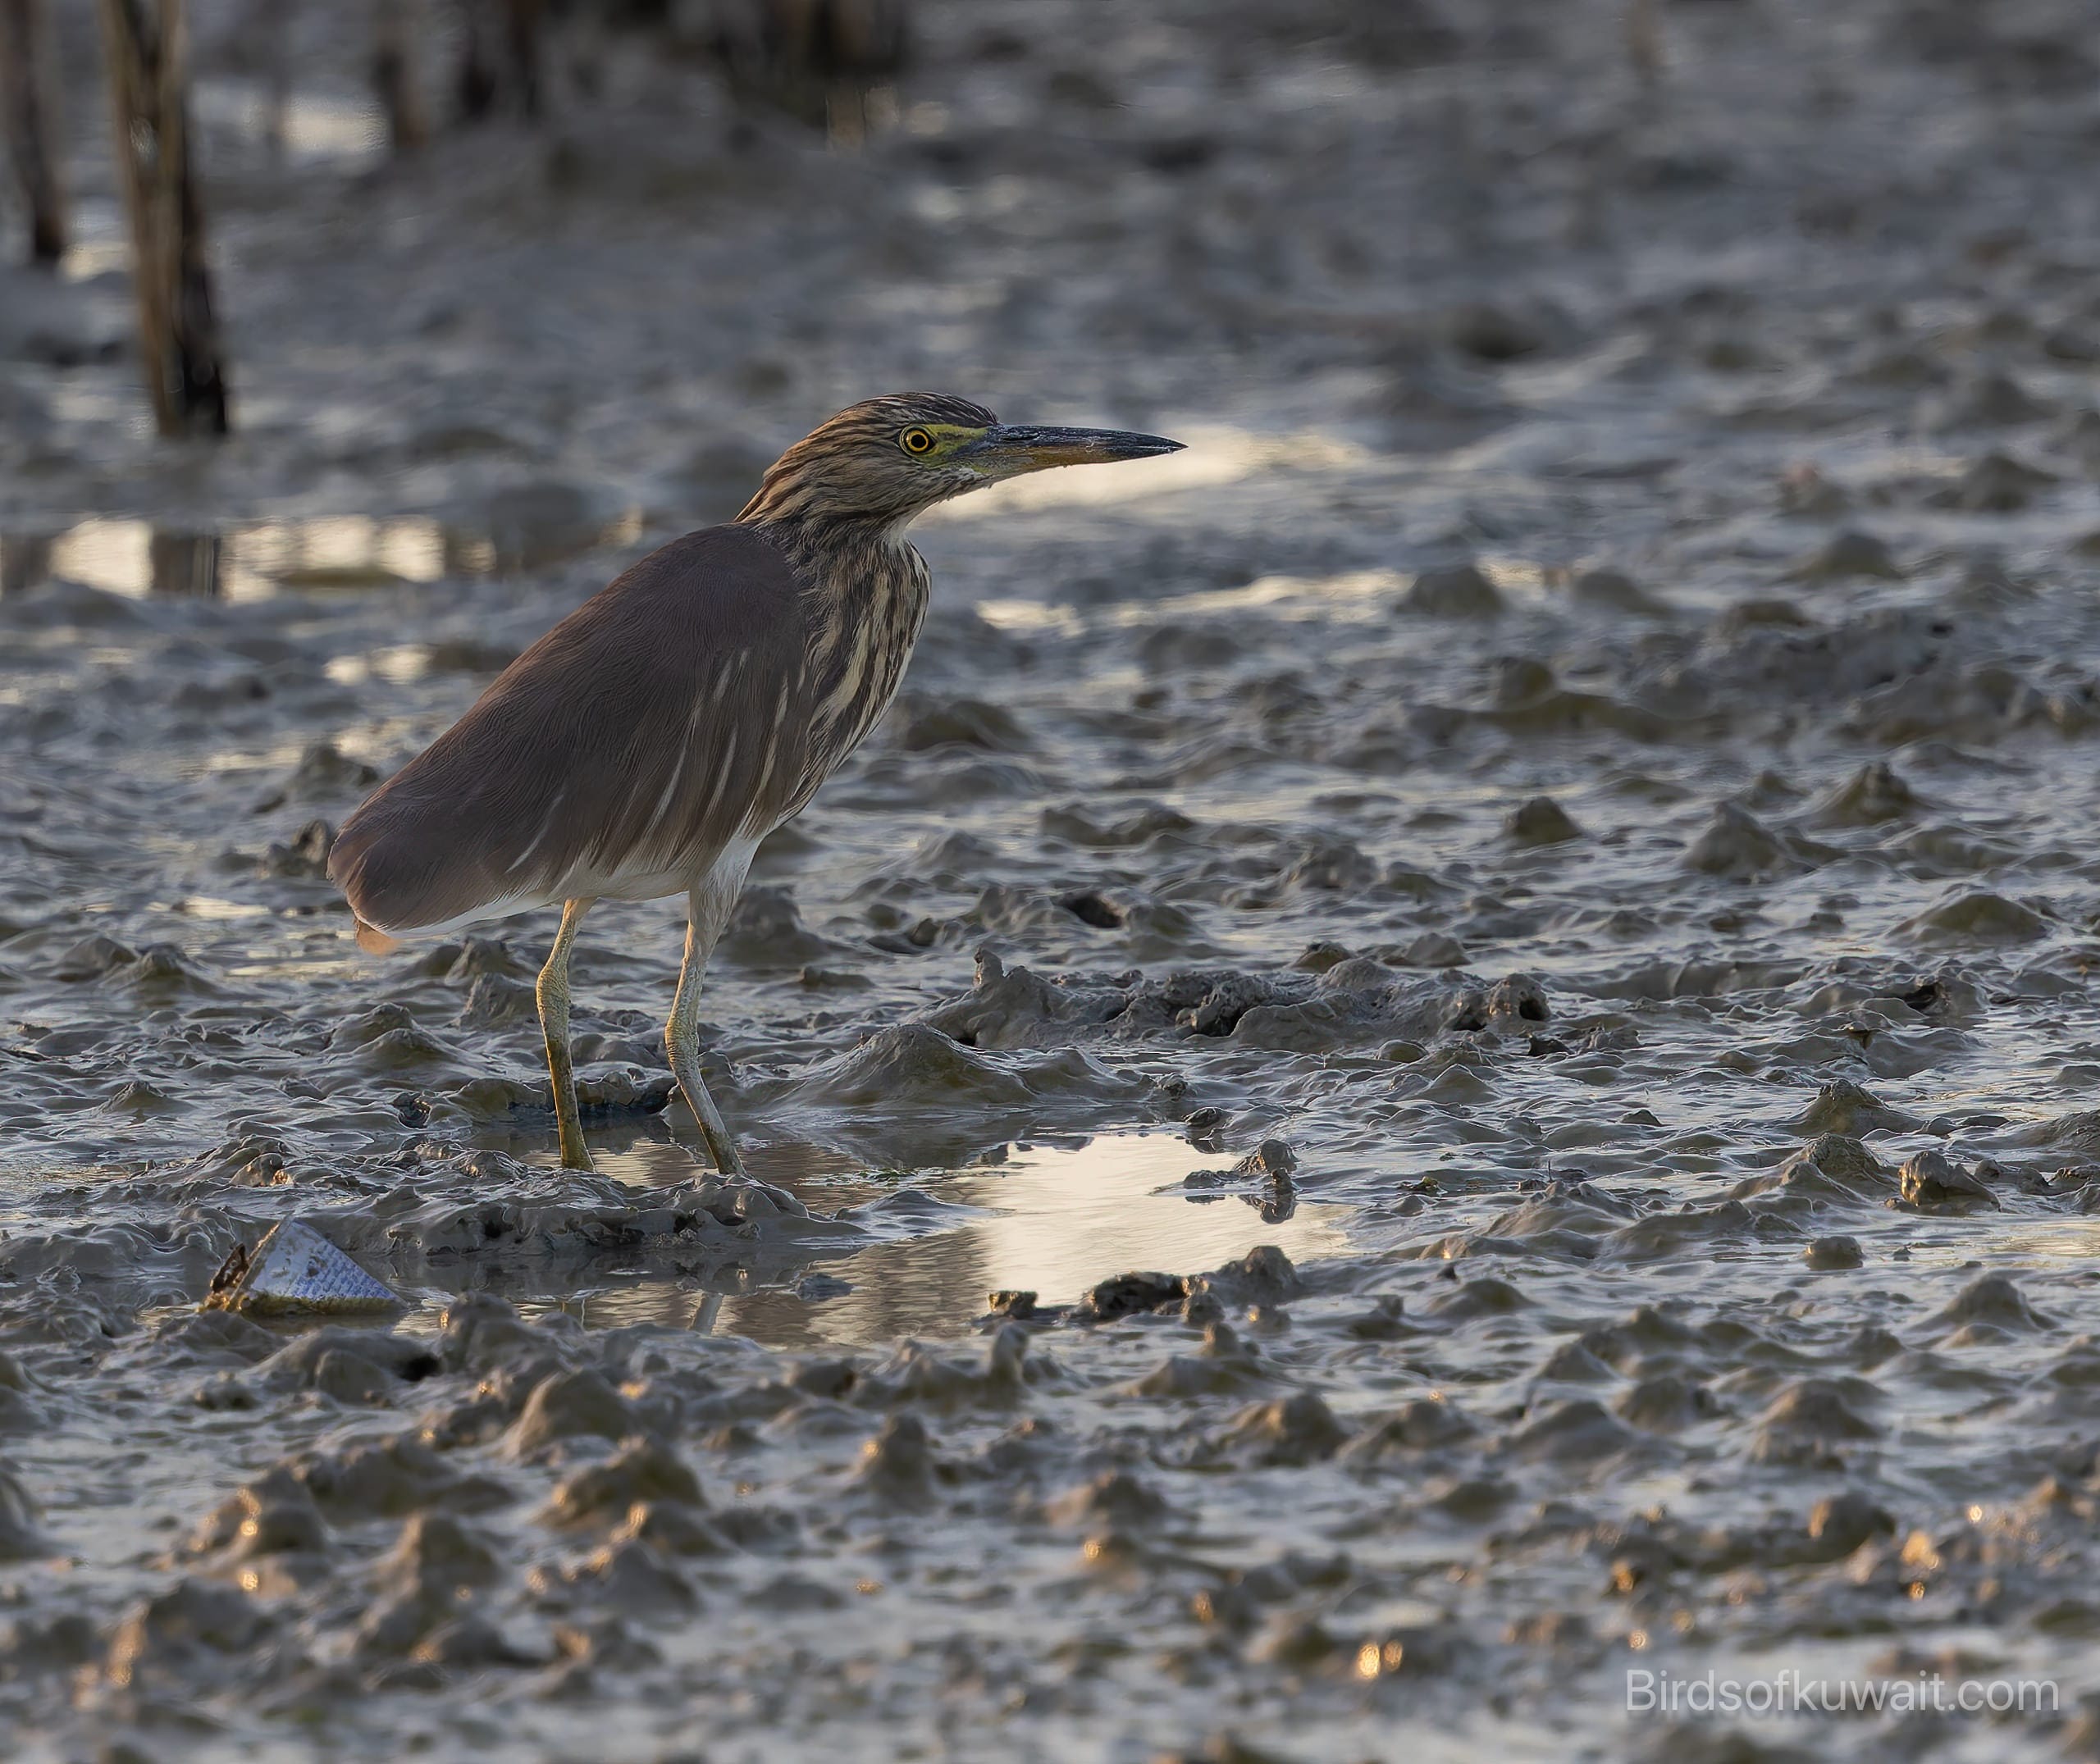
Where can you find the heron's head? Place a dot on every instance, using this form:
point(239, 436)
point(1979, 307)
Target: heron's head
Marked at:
point(890, 458)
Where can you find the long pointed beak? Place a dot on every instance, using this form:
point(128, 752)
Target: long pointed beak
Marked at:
point(1010, 449)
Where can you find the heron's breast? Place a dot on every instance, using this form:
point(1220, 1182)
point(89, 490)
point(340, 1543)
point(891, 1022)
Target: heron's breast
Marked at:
point(872, 627)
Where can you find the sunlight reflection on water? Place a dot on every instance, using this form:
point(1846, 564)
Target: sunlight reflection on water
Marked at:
point(1051, 1221)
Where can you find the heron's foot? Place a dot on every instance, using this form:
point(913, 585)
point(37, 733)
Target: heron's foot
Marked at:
point(722, 1148)
point(713, 1132)
point(553, 996)
point(684, 1050)
point(575, 1155)
point(568, 1118)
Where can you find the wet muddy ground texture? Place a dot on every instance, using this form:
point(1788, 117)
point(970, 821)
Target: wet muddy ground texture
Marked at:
point(1534, 891)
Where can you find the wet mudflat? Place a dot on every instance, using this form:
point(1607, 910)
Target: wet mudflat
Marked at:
point(1539, 877)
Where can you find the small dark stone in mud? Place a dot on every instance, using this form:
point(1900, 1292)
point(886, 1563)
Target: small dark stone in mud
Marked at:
point(898, 1462)
point(1977, 915)
point(1825, 1254)
point(1845, 1157)
point(1012, 1302)
point(1926, 996)
point(1849, 555)
point(1129, 1295)
point(959, 721)
point(1520, 680)
point(1218, 1012)
point(1491, 331)
point(324, 773)
point(305, 855)
point(1519, 998)
point(1933, 1182)
point(1737, 844)
point(1847, 1109)
point(472, 958)
point(1460, 591)
point(492, 1000)
point(1474, 1500)
point(274, 1515)
point(1872, 794)
point(1465, 1012)
point(765, 934)
point(1615, 592)
point(640, 1470)
point(1223, 1748)
point(1994, 1301)
point(1809, 1419)
point(1994, 485)
point(1487, 1296)
point(21, 1536)
point(1299, 1644)
point(351, 1379)
point(1384, 1321)
point(1318, 958)
point(1295, 1429)
point(816, 1288)
point(1572, 1363)
point(622, 1091)
point(1839, 1524)
point(627, 1574)
point(1580, 1430)
point(1540, 822)
point(172, 1637)
point(1090, 909)
point(1273, 1157)
point(1430, 948)
point(569, 1405)
point(93, 957)
point(469, 1643)
point(1989, 401)
point(1667, 1402)
point(1263, 1274)
point(1115, 1497)
point(1805, 489)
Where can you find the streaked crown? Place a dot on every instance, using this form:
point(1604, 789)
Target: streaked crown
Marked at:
point(881, 461)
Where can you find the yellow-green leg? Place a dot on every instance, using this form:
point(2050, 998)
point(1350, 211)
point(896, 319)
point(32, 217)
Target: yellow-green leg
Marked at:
point(707, 910)
point(554, 1023)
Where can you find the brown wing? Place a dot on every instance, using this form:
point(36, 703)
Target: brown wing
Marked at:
point(631, 740)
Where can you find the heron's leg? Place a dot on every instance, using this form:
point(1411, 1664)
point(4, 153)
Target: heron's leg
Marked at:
point(707, 911)
point(554, 1021)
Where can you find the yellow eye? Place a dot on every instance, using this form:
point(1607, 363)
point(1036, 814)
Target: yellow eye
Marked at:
point(916, 441)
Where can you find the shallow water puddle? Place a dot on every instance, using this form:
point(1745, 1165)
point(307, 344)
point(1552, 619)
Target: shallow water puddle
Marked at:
point(1050, 1220)
point(254, 560)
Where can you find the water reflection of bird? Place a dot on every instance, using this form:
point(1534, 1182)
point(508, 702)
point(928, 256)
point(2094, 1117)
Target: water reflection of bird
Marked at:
point(646, 745)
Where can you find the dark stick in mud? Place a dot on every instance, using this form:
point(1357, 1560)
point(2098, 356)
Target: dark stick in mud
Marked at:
point(1644, 40)
point(499, 57)
point(394, 75)
point(32, 142)
point(820, 60)
point(522, 20)
point(149, 102)
point(269, 30)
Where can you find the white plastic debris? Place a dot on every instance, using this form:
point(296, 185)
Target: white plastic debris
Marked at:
point(295, 1272)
